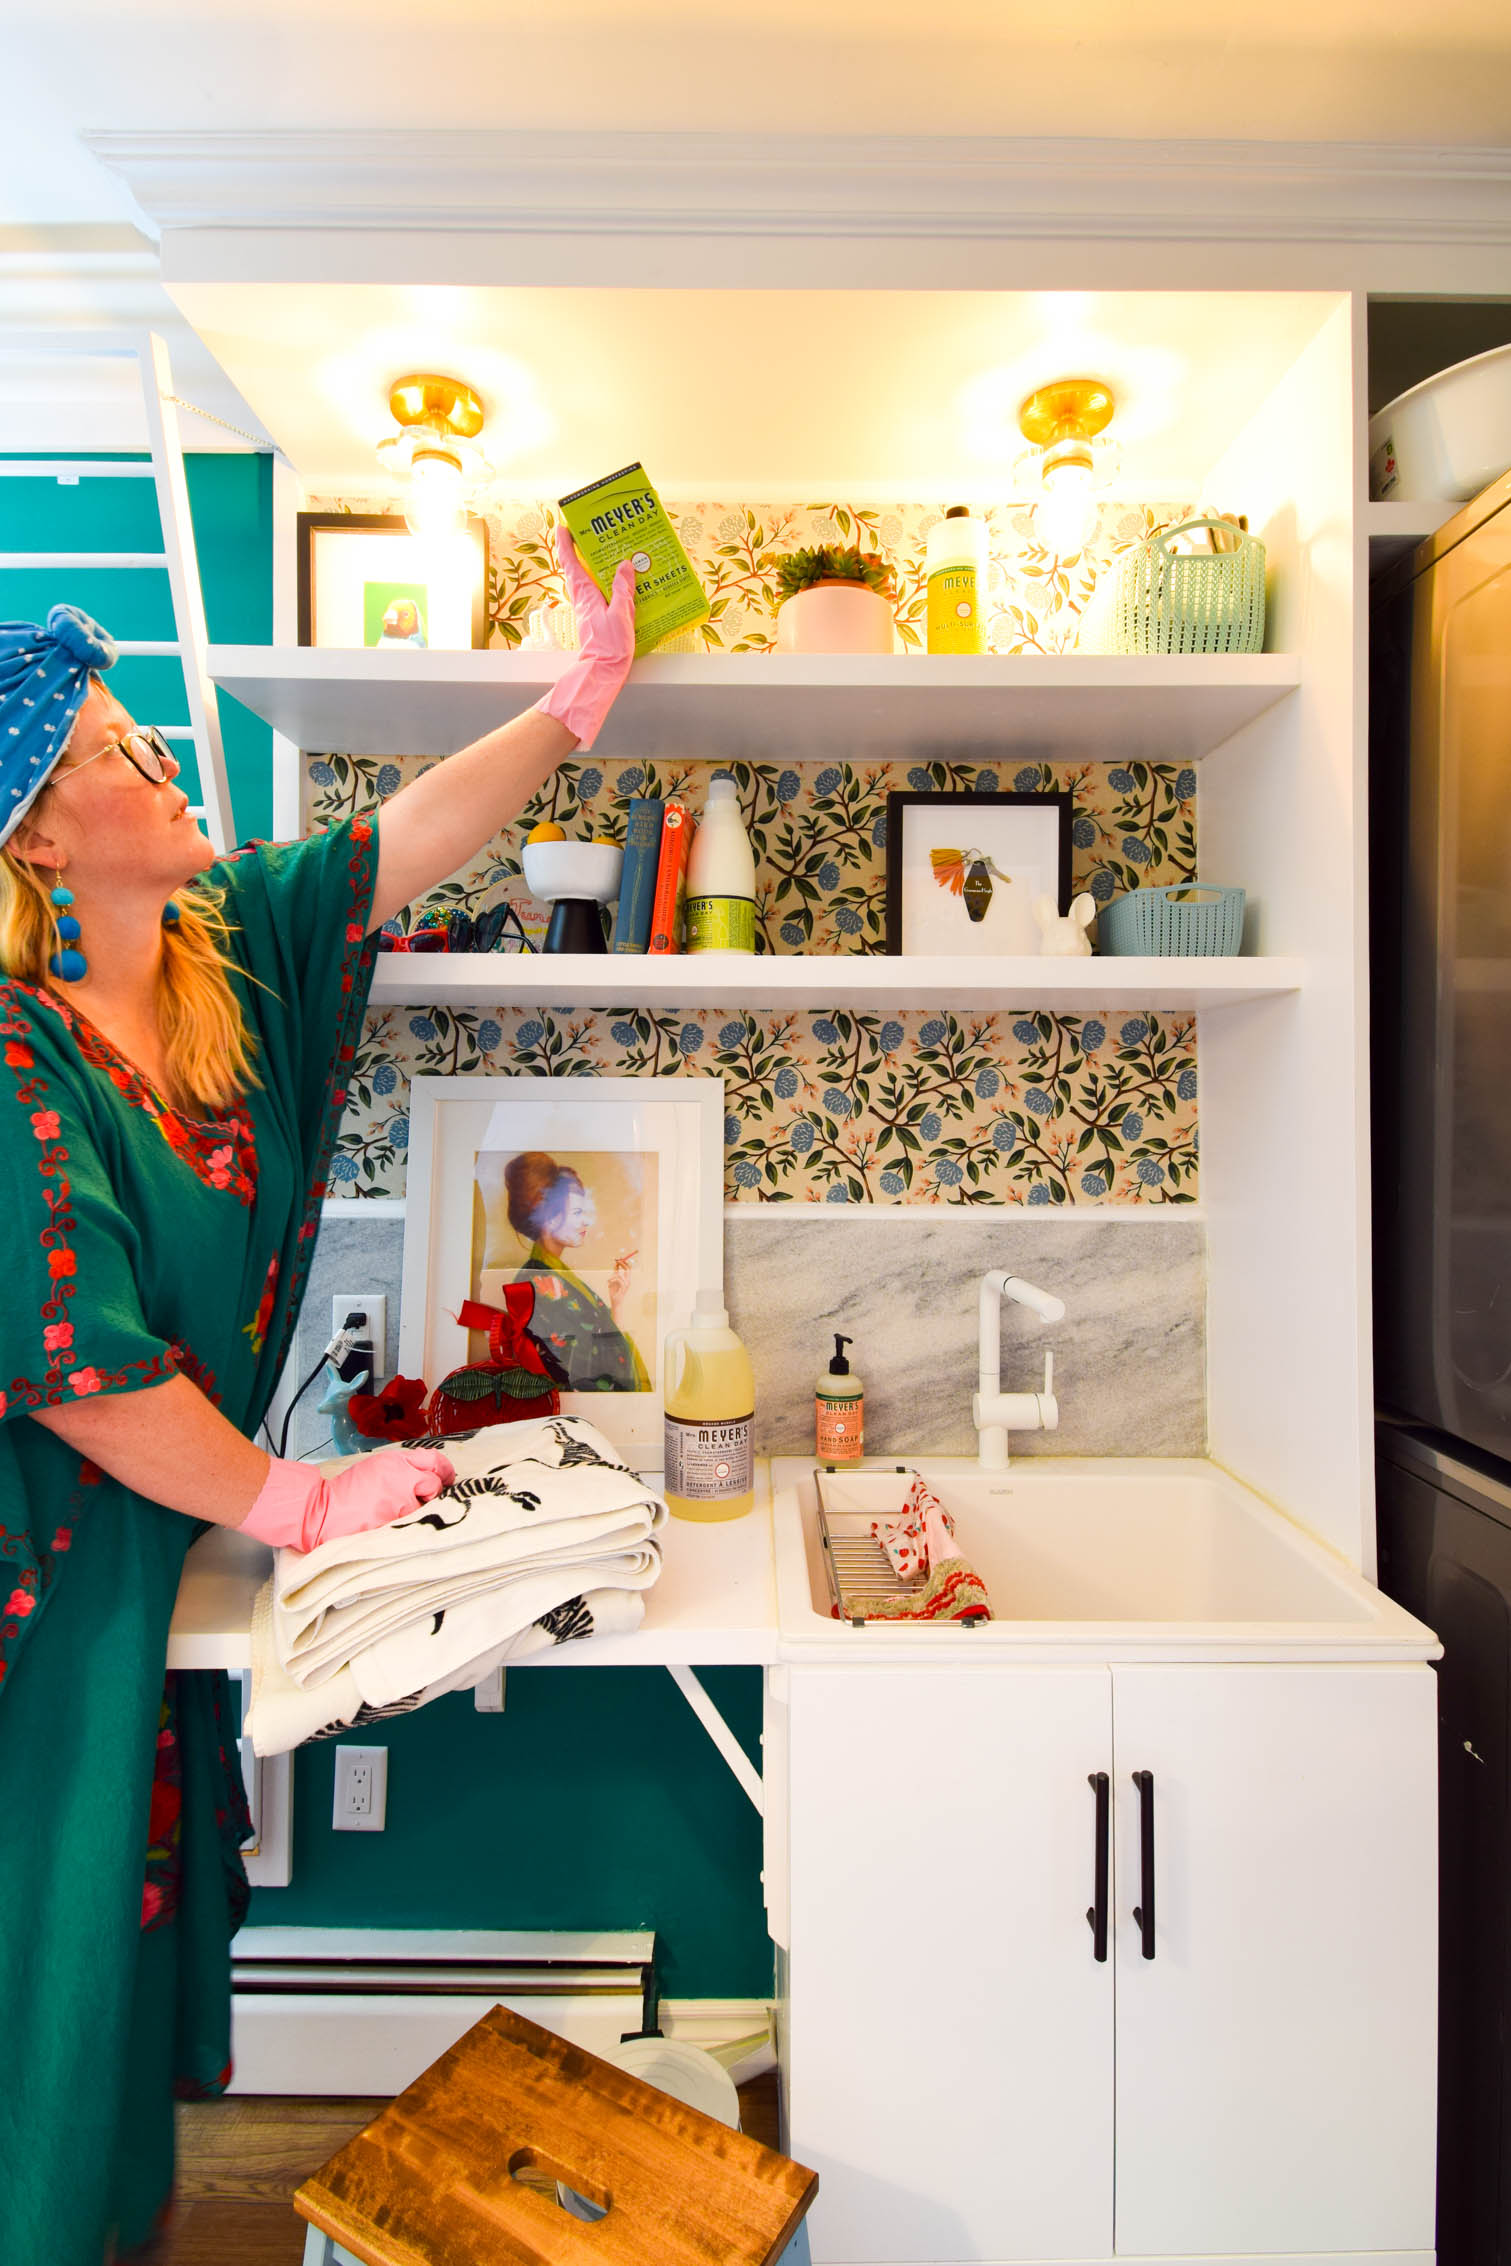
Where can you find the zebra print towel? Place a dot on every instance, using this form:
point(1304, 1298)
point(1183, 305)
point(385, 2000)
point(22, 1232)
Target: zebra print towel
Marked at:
point(544, 1536)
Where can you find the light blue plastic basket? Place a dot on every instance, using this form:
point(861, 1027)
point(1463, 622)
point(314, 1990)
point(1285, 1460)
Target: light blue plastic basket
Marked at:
point(1181, 602)
point(1186, 918)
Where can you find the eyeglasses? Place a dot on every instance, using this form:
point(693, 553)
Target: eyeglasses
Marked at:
point(145, 750)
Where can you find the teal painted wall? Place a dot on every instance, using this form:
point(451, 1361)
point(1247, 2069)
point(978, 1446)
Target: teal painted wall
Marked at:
point(231, 504)
point(596, 1800)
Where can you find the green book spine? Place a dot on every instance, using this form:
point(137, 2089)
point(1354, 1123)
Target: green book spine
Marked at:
point(620, 517)
point(637, 877)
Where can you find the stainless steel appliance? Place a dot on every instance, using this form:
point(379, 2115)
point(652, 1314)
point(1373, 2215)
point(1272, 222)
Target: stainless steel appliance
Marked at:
point(1440, 893)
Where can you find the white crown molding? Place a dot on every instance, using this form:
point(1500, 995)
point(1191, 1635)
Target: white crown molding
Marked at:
point(702, 184)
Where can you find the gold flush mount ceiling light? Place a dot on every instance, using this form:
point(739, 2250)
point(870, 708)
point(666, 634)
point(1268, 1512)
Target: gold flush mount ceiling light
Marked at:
point(1068, 459)
point(438, 418)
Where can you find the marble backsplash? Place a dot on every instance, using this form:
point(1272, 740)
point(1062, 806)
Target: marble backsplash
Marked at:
point(1130, 1355)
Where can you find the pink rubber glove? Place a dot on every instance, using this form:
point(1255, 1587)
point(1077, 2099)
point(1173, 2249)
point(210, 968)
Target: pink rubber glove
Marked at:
point(298, 1509)
point(606, 642)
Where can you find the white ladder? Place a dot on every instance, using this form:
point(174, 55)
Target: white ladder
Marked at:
point(190, 643)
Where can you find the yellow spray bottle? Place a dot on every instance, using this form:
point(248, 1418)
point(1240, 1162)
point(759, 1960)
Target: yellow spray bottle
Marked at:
point(710, 1417)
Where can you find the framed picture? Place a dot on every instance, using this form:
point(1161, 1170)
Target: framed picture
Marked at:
point(963, 870)
point(605, 1194)
point(365, 579)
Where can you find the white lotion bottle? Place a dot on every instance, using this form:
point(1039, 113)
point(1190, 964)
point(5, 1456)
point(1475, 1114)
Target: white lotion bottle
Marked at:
point(720, 905)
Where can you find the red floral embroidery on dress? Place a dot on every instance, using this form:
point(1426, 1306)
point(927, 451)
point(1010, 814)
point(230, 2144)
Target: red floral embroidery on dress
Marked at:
point(31, 1570)
point(220, 1150)
point(256, 1331)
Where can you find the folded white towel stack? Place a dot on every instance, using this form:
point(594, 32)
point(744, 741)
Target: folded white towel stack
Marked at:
point(543, 1536)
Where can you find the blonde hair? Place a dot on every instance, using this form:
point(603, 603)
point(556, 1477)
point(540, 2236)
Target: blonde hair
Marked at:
point(209, 1048)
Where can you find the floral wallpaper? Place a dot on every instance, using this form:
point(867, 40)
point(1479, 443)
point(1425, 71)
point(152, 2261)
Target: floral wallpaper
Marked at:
point(920, 1107)
point(1017, 1107)
point(1035, 599)
point(818, 832)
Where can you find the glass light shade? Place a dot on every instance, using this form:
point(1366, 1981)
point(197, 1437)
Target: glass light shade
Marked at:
point(436, 489)
point(1066, 513)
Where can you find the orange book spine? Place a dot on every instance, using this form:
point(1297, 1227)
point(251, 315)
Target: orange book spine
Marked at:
point(671, 880)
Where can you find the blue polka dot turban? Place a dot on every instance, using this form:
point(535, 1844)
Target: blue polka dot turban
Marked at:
point(44, 681)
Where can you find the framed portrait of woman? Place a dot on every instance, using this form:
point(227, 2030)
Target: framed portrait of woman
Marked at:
point(603, 1195)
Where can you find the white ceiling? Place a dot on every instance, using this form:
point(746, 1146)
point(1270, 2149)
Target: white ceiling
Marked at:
point(776, 395)
point(75, 250)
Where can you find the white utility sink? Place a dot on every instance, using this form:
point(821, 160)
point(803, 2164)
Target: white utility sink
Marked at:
point(1136, 1555)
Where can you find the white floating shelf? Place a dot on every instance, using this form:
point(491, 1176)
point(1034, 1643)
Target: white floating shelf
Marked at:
point(1396, 528)
point(715, 1600)
point(878, 983)
point(773, 707)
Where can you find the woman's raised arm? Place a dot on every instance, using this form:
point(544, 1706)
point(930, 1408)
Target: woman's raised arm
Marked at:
point(436, 823)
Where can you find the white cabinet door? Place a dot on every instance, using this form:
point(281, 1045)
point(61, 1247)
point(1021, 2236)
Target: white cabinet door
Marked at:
point(1275, 2057)
point(950, 2072)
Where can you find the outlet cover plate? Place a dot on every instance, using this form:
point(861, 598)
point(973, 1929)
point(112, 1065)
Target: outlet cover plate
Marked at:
point(375, 1305)
point(361, 1799)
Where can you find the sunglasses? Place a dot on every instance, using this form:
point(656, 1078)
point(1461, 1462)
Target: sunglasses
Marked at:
point(464, 932)
point(145, 750)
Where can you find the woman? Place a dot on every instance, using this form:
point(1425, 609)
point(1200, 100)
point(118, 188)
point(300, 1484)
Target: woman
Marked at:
point(175, 1036)
point(579, 1337)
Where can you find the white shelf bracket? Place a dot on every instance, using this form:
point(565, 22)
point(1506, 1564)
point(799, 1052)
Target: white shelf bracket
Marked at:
point(723, 1738)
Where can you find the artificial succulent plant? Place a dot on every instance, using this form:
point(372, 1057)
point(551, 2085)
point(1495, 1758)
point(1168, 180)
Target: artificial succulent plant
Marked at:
point(832, 562)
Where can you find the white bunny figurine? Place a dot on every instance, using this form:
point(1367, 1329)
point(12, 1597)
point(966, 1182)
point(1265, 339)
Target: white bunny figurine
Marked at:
point(1064, 936)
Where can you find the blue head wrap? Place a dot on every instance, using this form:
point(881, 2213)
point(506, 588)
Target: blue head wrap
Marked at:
point(44, 682)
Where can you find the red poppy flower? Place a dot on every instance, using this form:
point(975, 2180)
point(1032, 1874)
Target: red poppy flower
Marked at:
point(57, 1337)
point(395, 1413)
point(20, 1602)
point(62, 1538)
point(19, 1057)
point(46, 1124)
point(61, 1262)
point(85, 1381)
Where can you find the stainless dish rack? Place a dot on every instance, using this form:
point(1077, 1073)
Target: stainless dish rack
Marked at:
point(856, 1566)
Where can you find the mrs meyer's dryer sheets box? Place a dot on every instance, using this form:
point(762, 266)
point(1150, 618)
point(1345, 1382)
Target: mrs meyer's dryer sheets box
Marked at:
point(621, 518)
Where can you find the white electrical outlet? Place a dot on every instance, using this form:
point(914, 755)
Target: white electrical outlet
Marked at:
point(361, 1804)
point(375, 1307)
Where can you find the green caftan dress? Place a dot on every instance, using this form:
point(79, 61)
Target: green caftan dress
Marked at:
point(139, 1244)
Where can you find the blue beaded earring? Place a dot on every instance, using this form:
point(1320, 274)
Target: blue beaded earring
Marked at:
point(68, 963)
point(171, 915)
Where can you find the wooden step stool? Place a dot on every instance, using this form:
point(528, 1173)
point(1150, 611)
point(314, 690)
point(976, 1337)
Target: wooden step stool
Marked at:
point(436, 2179)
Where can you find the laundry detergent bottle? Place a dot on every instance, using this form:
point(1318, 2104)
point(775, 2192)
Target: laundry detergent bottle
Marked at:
point(710, 1417)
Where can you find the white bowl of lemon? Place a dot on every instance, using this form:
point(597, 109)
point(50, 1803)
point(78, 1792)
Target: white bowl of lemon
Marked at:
point(555, 867)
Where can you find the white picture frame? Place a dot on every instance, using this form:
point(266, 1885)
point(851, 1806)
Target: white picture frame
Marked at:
point(647, 1158)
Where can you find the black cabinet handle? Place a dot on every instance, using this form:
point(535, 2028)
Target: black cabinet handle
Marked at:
point(1143, 1911)
point(1096, 1913)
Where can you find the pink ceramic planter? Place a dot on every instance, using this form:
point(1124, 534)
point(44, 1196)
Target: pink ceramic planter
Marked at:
point(835, 617)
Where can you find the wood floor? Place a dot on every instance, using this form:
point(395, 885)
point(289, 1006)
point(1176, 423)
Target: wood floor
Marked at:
point(240, 2160)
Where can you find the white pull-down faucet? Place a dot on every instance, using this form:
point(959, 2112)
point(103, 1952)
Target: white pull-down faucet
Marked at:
point(994, 1412)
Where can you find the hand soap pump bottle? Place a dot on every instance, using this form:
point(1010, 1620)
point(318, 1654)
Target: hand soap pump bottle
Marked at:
point(710, 1417)
point(839, 1410)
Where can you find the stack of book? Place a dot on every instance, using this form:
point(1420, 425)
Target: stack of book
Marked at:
point(653, 882)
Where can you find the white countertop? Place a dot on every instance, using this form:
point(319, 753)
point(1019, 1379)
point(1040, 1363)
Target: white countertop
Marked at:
point(749, 1591)
point(714, 1603)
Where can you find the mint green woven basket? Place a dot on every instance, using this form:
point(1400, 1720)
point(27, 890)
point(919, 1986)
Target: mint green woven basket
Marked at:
point(1179, 602)
point(1185, 919)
